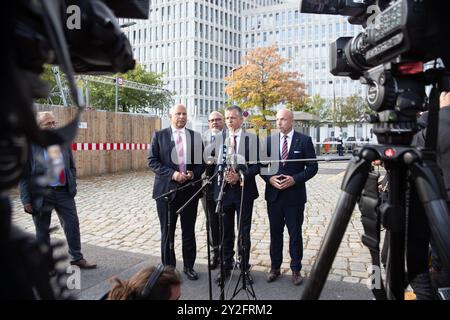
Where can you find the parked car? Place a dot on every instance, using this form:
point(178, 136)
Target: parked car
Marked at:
point(329, 147)
point(350, 143)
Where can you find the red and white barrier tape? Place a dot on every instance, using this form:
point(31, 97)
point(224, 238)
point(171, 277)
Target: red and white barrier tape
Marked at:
point(110, 146)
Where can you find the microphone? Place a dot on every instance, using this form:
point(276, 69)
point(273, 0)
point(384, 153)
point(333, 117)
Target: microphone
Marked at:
point(210, 165)
point(221, 161)
point(238, 163)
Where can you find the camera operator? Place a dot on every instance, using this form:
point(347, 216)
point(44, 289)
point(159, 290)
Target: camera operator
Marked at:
point(216, 127)
point(440, 275)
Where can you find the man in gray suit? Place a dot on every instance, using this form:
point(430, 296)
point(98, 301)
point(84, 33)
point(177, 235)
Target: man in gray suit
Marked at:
point(216, 129)
point(59, 194)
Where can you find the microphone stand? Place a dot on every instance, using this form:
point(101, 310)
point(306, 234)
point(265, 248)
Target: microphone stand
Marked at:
point(244, 274)
point(204, 187)
point(219, 212)
point(166, 197)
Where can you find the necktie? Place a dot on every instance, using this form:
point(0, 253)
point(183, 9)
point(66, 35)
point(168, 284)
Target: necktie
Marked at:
point(213, 138)
point(284, 151)
point(180, 153)
point(234, 143)
point(62, 177)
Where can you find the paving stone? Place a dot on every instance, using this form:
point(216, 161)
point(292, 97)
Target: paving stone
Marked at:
point(116, 211)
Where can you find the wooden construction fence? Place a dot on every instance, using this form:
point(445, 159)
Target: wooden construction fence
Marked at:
point(127, 136)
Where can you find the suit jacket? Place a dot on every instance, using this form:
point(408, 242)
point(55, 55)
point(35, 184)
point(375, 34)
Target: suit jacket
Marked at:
point(163, 151)
point(35, 167)
point(301, 148)
point(249, 148)
point(443, 142)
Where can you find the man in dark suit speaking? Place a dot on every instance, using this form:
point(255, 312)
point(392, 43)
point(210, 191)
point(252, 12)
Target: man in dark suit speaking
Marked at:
point(246, 145)
point(176, 158)
point(286, 192)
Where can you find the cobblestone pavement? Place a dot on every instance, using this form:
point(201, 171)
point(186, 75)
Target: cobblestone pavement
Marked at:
point(117, 212)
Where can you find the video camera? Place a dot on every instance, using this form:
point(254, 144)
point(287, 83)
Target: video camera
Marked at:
point(389, 55)
point(81, 36)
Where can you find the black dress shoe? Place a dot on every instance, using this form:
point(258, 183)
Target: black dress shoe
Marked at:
point(227, 274)
point(273, 275)
point(190, 273)
point(297, 279)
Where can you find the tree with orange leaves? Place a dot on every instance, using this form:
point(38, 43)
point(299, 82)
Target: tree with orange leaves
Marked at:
point(261, 82)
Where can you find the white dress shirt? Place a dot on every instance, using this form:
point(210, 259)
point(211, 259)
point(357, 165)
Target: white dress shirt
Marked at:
point(238, 139)
point(289, 140)
point(183, 138)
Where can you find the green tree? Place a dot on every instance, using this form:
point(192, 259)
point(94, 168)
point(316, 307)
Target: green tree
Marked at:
point(348, 110)
point(54, 96)
point(355, 107)
point(102, 96)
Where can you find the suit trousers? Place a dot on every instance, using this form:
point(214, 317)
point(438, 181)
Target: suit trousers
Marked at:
point(168, 220)
point(281, 215)
point(209, 206)
point(244, 244)
point(65, 207)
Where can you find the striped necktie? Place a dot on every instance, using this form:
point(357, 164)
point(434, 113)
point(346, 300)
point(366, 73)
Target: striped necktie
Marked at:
point(284, 151)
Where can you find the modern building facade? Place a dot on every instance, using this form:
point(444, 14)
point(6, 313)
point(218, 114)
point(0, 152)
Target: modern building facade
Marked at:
point(197, 43)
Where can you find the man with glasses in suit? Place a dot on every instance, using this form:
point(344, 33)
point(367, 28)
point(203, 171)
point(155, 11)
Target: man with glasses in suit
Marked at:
point(216, 129)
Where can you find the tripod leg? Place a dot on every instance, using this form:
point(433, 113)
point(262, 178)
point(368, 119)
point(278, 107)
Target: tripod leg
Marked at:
point(352, 185)
point(431, 191)
point(394, 221)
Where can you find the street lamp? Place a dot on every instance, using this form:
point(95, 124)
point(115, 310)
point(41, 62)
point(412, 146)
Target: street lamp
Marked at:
point(334, 96)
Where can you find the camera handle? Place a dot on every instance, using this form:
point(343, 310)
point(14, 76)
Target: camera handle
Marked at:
point(428, 182)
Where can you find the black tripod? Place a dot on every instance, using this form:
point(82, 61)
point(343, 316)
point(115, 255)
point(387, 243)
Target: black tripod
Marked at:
point(244, 277)
point(401, 162)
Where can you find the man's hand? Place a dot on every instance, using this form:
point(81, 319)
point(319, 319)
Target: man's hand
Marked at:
point(231, 177)
point(287, 182)
point(179, 177)
point(189, 175)
point(28, 208)
point(275, 182)
point(444, 99)
point(376, 163)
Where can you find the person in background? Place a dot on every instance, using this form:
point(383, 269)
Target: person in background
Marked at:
point(216, 127)
point(59, 195)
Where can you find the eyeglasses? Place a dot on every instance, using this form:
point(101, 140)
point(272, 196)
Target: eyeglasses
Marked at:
point(215, 120)
point(49, 124)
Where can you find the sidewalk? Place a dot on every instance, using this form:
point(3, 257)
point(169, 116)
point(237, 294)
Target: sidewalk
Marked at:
point(116, 212)
point(94, 283)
